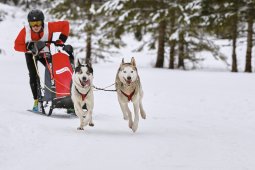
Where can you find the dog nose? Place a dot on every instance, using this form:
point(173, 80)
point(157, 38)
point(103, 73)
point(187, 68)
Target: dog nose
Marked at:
point(129, 78)
point(84, 78)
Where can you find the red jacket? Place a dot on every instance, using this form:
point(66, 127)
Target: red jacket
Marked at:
point(59, 26)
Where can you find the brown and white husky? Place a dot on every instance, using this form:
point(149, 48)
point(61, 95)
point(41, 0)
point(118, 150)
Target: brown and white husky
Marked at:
point(129, 88)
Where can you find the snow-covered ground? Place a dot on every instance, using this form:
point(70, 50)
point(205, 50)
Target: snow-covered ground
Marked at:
point(196, 120)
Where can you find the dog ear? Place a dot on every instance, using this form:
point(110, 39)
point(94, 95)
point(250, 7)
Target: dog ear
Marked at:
point(78, 63)
point(133, 61)
point(89, 66)
point(90, 69)
point(78, 66)
point(88, 63)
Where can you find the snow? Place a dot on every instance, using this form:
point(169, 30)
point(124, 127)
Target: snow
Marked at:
point(196, 120)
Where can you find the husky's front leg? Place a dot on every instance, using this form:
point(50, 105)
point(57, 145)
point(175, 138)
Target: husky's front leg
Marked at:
point(130, 119)
point(91, 123)
point(136, 119)
point(88, 118)
point(80, 113)
point(126, 113)
point(142, 112)
point(124, 110)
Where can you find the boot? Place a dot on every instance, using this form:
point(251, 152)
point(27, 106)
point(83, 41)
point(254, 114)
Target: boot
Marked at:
point(35, 107)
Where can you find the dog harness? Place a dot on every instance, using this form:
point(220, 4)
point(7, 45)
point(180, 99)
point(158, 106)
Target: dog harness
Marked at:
point(83, 96)
point(128, 96)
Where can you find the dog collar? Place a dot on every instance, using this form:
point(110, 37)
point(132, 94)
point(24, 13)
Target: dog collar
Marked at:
point(83, 96)
point(128, 96)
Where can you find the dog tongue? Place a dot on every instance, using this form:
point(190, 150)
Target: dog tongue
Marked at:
point(129, 81)
point(86, 83)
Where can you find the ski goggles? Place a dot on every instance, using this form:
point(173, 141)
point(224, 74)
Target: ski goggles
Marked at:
point(35, 23)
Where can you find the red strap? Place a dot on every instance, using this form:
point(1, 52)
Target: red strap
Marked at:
point(128, 96)
point(83, 96)
point(48, 65)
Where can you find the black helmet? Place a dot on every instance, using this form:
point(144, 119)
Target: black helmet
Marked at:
point(35, 15)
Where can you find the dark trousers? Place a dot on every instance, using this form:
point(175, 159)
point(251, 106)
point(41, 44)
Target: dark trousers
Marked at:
point(32, 72)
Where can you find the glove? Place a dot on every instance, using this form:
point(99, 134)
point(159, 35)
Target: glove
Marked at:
point(29, 46)
point(68, 49)
point(59, 42)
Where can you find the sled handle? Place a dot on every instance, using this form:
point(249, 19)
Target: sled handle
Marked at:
point(67, 48)
point(41, 44)
point(55, 43)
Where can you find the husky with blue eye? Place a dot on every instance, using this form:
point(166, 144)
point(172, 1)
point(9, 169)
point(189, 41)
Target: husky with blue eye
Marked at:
point(82, 93)
point(129, 88)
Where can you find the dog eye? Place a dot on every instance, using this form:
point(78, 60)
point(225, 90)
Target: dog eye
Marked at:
point(125, 71)
point(132, 71)
point(88, 73)
point(80, 72)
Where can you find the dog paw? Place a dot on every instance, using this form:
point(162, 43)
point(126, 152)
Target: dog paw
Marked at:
point(91, 124)
point(80, 128)
point(130, 124)
point(134, 127)
point(143, 116)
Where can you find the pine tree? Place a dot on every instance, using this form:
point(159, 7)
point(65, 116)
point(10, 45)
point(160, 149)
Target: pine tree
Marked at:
point(140, 18)
point(83, 20)
point(224, 19)
point(250, 20)
point(155, 18)
point(172, 42)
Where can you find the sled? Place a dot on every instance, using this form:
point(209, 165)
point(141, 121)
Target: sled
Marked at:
point(55, 91)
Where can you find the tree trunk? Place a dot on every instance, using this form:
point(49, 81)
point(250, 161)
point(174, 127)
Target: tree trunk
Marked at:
point(181, 50)
point(88, 33)
point(172, 53)
point(3, 1)
point(248, 65)
point(15, 2)
point(88, 48)
point(27, 4)
point(234, 38)
point(161, 44)
point(172, 43)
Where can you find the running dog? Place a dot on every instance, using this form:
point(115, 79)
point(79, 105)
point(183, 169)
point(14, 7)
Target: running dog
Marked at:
point(129, 88)
point(82, 93)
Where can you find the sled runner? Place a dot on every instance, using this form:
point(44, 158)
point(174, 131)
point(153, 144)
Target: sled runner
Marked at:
point(54, 91)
